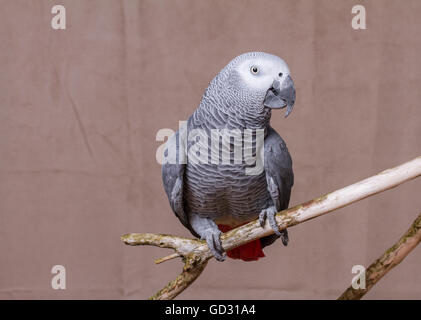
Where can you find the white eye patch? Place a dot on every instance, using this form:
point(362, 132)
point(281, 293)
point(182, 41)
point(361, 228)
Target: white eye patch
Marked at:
point(268, 69)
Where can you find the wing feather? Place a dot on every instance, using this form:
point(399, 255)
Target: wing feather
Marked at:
point(173, 178)
point(278, 168)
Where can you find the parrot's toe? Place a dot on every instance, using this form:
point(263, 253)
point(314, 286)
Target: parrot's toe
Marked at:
point(269, 214)
point(213, 239)
point(284, 237)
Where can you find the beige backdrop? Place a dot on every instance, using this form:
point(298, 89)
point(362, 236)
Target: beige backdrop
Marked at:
point(80, 109)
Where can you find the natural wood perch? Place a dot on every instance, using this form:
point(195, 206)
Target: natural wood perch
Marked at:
point(196, 254)
point(391, 258)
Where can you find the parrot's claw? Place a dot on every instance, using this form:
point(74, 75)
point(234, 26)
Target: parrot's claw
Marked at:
point(213, 239)
point(284, 237)
point(270, 213)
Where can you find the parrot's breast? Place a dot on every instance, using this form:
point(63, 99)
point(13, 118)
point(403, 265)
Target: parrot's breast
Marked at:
point(225, 193)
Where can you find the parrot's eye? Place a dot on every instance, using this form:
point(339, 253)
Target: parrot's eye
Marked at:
point(254, 70)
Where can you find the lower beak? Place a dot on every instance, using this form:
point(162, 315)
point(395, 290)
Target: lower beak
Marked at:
point(281, 95)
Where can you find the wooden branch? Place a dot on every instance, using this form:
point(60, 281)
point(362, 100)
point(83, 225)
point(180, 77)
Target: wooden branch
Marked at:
point(391, 258)
point(195, 253)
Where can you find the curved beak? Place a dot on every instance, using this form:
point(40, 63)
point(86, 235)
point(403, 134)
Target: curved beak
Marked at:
point(281, 95)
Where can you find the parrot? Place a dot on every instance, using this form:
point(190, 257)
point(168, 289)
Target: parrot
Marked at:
point(210, 198)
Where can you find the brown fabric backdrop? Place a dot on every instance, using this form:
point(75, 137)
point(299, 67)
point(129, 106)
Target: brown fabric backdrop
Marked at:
point(80, 109)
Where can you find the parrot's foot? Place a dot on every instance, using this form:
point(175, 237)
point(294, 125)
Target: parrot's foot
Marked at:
point(270, 213)
point(213, 239)
point(207, 229)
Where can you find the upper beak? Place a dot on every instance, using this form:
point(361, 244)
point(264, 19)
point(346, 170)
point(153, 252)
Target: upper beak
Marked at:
point(281, 95)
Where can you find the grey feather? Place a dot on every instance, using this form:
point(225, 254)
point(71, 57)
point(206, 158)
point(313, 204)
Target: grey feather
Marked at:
point(279, 176)
point(173, 180)
point(278, 168)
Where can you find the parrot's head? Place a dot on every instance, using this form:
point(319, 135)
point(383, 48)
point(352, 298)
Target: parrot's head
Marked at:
point(256, 83)
point(267, 77)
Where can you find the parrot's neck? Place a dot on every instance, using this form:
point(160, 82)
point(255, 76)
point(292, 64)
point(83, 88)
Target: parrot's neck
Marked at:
point(227, 118)
point(259, 119)
point(225, 108)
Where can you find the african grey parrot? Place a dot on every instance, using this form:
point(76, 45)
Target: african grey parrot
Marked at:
point(209, 197)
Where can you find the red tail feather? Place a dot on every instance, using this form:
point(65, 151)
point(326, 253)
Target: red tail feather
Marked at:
point(251, 251)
